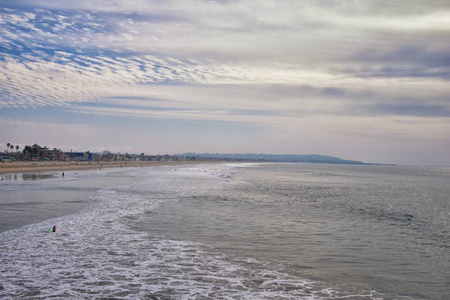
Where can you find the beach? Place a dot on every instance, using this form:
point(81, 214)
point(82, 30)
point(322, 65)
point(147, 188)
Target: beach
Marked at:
point(47, 166)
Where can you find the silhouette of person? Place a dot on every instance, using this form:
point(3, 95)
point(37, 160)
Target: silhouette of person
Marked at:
point(54, 228)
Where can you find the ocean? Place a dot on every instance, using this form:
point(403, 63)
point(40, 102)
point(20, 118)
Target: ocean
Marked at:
point(227, 231)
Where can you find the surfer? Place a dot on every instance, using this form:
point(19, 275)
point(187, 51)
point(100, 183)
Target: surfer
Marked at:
point(54, 228)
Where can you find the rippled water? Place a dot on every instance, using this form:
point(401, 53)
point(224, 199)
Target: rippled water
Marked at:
point(273, 231)
point(386, 227)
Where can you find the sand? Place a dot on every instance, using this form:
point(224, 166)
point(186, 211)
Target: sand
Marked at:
point(46, 166)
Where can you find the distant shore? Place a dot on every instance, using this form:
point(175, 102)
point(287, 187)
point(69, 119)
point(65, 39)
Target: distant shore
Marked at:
point(47, 166)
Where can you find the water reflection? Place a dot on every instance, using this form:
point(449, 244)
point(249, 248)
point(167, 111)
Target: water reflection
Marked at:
point(26, 176)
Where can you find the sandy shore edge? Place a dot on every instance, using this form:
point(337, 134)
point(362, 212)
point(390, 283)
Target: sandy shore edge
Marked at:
point(37, 167)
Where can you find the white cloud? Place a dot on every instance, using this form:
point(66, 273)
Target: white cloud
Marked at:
point(331, 65)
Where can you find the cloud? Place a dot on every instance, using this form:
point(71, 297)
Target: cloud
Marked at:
point(427, 57)
point(70, 78)
point(423, 110)
point(277, 65)
point(300, 32)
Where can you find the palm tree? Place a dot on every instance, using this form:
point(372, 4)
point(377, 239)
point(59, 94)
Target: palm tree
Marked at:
point(17, 148)
point(12, 147)
point(7, 145)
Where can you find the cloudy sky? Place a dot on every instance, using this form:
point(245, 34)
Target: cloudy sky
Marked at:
point(364, 80)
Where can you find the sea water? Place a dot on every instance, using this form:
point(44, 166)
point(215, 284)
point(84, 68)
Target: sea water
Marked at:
point(27, 198)
point(249, 231)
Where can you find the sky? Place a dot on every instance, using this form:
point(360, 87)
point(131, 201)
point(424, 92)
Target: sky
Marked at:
point(357, 79)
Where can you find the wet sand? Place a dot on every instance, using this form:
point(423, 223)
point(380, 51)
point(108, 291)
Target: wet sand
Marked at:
point(45, 166)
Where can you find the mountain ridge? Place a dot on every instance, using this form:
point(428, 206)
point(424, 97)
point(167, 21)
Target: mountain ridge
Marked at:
point(304, 158)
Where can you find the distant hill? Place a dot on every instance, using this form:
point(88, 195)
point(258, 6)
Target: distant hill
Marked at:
point(310, 158)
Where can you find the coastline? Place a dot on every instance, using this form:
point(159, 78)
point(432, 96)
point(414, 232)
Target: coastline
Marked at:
point(31, 207)
point(47, 166)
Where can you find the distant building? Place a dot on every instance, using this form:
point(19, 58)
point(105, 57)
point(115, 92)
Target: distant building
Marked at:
point(79, 156)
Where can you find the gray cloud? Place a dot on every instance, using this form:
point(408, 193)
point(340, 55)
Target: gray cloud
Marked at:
point(420, 55)
point(423, 110)
point(326, 66)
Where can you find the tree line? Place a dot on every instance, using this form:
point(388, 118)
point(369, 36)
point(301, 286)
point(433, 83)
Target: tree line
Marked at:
point(11, 146)
point(33, 151)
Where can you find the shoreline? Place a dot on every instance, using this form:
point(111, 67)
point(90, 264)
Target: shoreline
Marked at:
point(11, 172)
point(47, 166)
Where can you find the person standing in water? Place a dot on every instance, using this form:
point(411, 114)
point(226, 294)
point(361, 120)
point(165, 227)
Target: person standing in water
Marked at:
point(54, 228)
